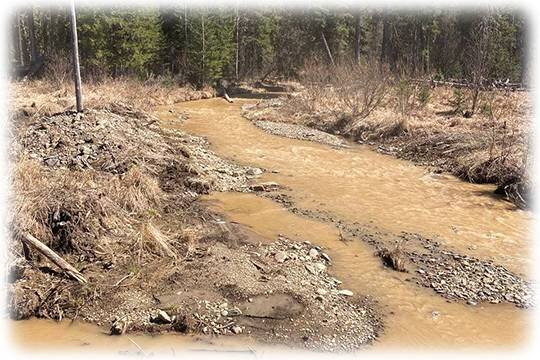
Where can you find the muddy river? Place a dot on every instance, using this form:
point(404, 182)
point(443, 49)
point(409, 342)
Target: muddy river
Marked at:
point(358, 185)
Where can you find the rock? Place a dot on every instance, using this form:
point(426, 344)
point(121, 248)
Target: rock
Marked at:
point(236, 330)
point(320, 267)
point(265, 186)
point(254, 171)
point(235, 311)
point(119, 326)
point(322, 291)
point(313, 253)
point(345, 292)
point(224, 313)
point(326, 257)
point(280, 256)
point(435, 314)
point(161, 318)
point(311, 269)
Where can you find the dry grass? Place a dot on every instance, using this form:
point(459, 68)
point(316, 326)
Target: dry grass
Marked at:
point(93, 204)
point(46, 97)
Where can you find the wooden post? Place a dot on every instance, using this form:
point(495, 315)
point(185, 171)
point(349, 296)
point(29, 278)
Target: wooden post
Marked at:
point(76, 68)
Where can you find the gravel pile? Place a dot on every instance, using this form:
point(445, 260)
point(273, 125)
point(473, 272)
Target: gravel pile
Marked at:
point(98, 139)
point(461, 277)
point(300, 132)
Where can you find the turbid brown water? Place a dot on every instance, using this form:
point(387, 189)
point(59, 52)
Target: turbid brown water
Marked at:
point(359, 185)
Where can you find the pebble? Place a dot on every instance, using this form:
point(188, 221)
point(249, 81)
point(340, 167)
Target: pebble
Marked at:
point(313, 253)
point(281, 256)
point(345, 292)
point(236, 330)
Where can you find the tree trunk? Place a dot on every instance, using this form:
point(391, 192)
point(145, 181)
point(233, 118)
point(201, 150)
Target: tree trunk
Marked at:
point(327, 49)
point(357, 38)
point(203, 49)
point(186, 42)
point(385, 40)
point(21, 40)
point(32, 36)
point(237, 43)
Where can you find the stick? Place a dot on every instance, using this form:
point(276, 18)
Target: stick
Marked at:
point(54, 257)
point(122, 279)
point(226, 96)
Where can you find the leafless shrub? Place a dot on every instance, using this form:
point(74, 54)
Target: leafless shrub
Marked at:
point(58, 68)
point(360, 88)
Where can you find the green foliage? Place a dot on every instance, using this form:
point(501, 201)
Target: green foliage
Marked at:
point(423, 95)
point(120, 41)
point(458, 101)
point(486, 109)
point(201, 45)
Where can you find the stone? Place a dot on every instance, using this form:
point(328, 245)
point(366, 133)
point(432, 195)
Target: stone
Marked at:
point(322, 291)
point(320, 267)
point(311, 269)
point(313, 253)
point(163, 317)
point(235, 311)
point(280, 256)
point(254, 171)
point(119, 326)
point(326, 257)
point(236, 330)
point(345, 292)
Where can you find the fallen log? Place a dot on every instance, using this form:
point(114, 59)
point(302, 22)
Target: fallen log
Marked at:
point(226, 96)
point(54, 257)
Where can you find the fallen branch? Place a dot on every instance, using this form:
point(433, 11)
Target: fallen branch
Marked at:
point(226, 96)
point(54, 257)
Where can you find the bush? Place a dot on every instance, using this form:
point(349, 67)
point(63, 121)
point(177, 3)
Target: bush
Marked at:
point(424, 94)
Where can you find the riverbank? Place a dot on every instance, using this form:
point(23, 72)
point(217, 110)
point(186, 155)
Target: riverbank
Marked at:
point(114, 193)
point(490, 147)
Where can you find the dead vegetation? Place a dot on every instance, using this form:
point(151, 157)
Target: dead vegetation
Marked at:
point(106, 190)
point(412, 120)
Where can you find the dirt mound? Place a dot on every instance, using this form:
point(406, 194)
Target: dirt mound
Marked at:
point(109, 191)
point(280, 293)
point(98, 139)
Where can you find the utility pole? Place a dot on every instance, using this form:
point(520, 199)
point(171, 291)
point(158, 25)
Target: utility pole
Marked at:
point(76, 67)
